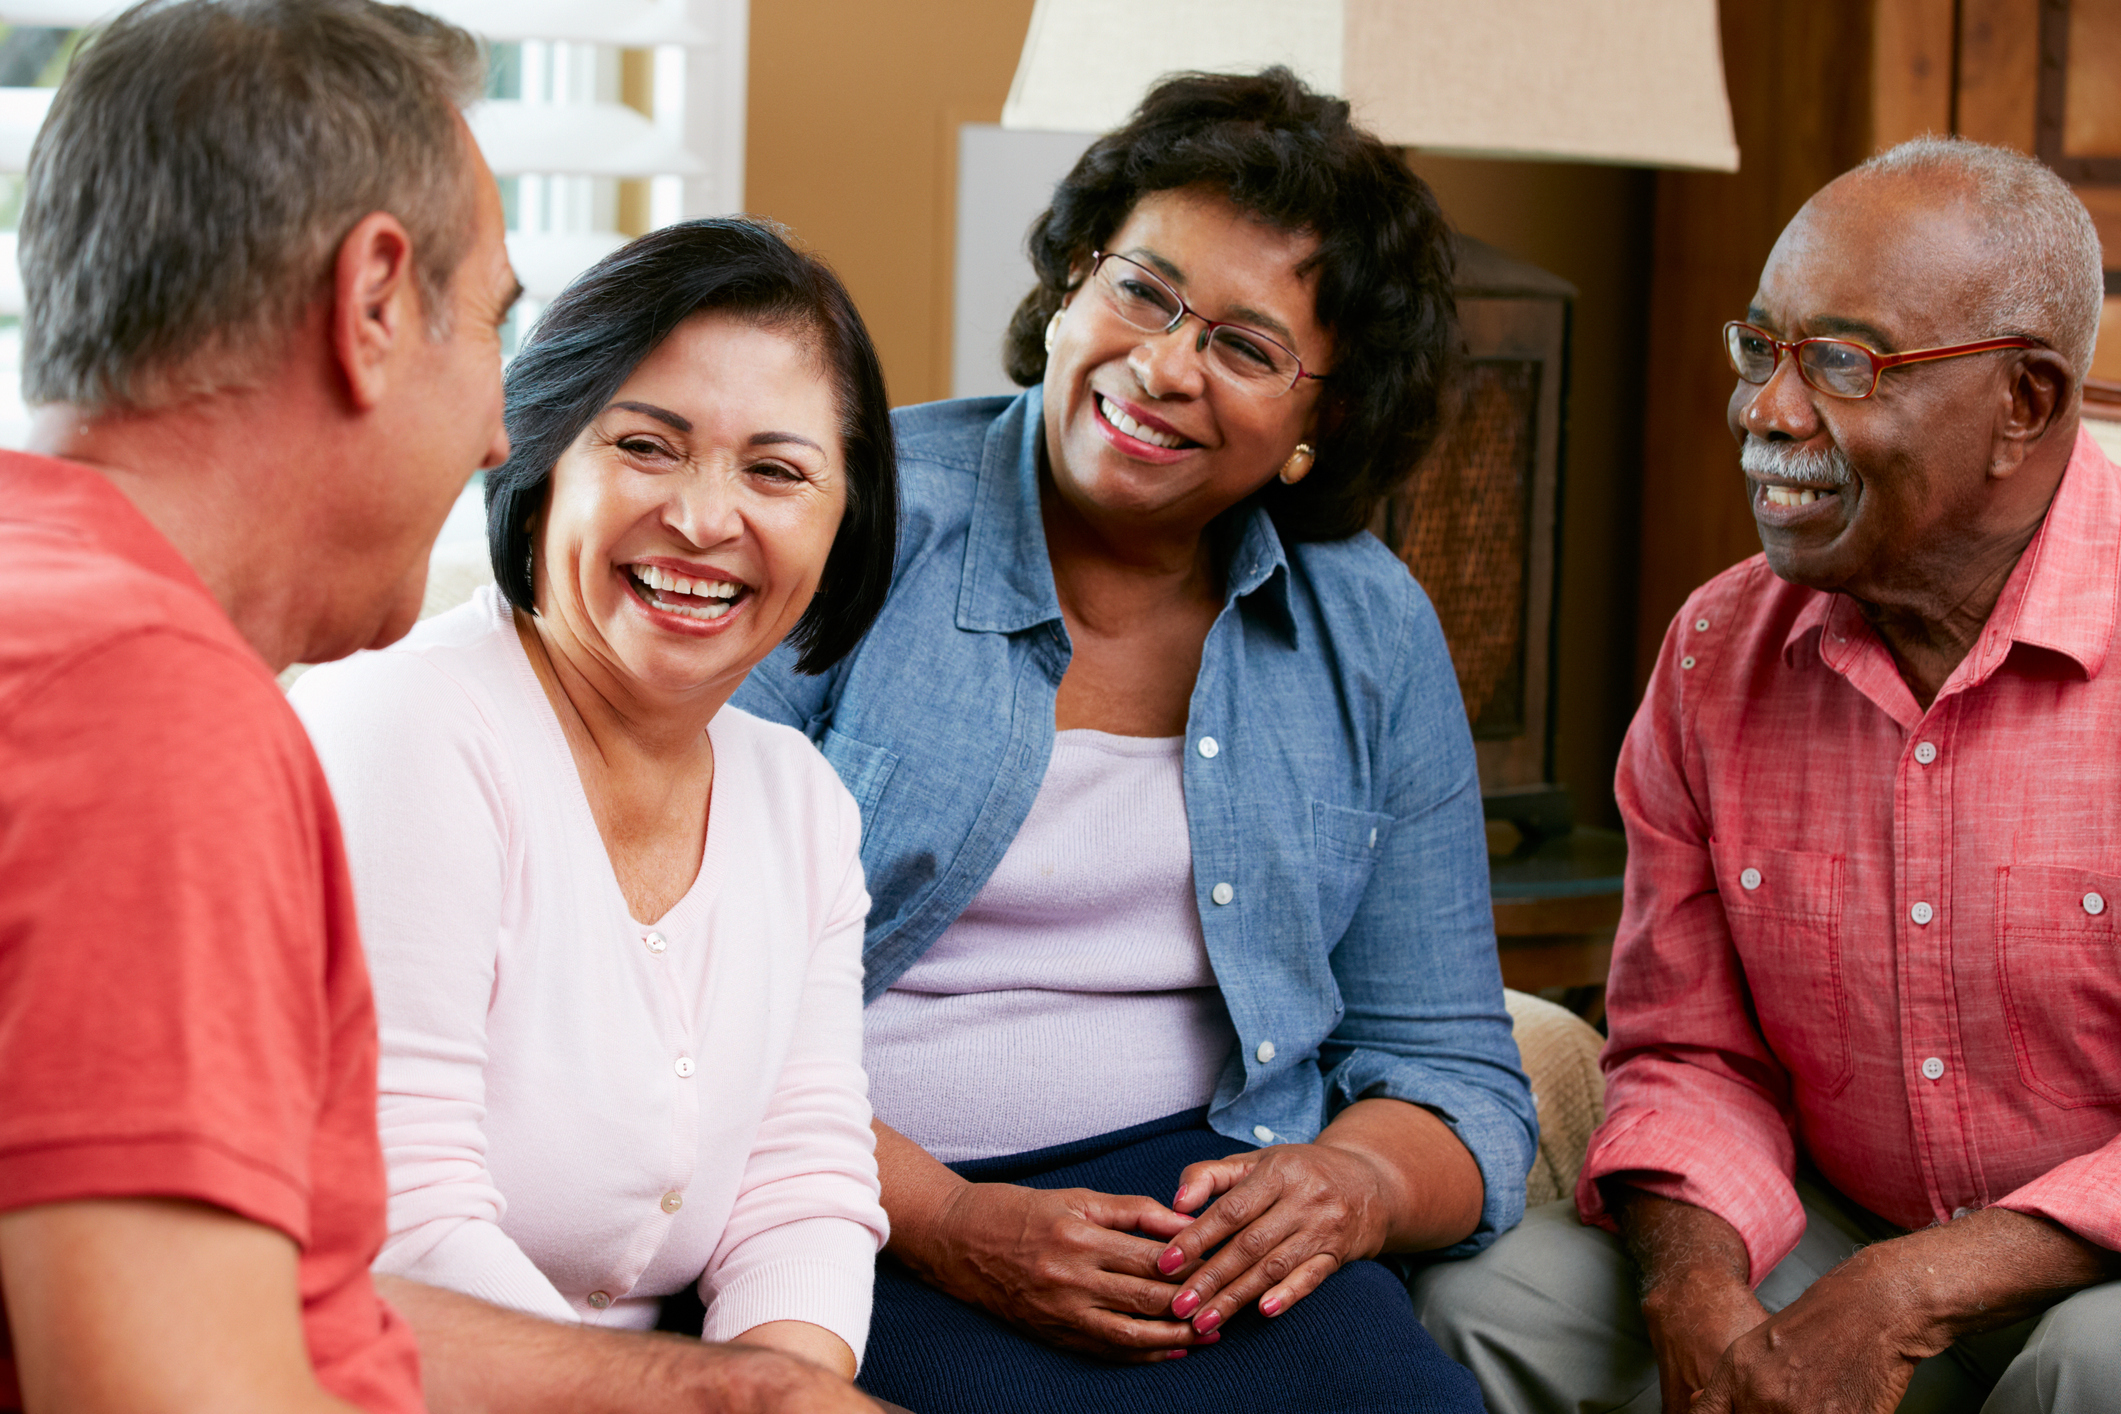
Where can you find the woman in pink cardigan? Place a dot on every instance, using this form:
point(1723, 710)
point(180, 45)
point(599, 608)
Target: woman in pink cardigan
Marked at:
point(615, 925)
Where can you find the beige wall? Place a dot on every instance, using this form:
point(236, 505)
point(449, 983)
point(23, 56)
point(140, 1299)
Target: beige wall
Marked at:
point(853, 113)
point(851, 139)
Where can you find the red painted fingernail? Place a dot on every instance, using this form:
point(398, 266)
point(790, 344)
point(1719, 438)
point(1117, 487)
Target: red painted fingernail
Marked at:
point(1175, 1355)
point(1171, 1261)
point(1182, 1304)
point(1268, 1305)
point(1208, 1322)
point(1178, 1197)
point(1210, 1338)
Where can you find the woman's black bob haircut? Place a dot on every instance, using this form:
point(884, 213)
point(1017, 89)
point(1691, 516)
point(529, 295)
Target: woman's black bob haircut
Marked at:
point(596, 333)
point(1292, 158)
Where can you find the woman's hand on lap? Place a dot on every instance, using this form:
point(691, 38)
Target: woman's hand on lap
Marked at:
point(1285, 1219)
point(1064, 1266)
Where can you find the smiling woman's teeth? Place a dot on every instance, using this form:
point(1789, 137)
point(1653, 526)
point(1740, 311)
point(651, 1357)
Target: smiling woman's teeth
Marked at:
point(1788, 495)
point(711, 598)
point(1134, 429)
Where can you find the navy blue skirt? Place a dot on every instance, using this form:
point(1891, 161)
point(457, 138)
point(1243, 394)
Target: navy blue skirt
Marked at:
point(1350, 1347)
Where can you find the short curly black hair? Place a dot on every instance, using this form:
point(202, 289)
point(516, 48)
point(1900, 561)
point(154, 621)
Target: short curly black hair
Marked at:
point(1292, 158)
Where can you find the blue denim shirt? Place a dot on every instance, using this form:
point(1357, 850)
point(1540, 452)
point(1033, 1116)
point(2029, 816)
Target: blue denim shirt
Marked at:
point(1339, 858)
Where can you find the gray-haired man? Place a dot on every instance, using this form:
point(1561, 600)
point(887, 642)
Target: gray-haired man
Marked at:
point(1863, 1128)
point(265, 277)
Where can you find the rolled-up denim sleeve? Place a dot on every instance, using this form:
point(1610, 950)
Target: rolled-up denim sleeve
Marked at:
point(1417, 970)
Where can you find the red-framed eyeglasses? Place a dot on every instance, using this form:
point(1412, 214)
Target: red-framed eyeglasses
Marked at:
point(1840, 368)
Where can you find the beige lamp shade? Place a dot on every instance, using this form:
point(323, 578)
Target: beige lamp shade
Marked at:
point(1636, 82)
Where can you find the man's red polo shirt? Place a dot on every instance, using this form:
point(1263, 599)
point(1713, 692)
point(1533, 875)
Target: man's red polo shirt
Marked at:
point(184, 1008)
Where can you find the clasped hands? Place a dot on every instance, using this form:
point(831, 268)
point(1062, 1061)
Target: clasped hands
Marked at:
point(1851, 1342)
point(1067, 1266)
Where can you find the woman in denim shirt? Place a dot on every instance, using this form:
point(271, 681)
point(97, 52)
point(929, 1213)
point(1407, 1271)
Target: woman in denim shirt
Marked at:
point(1172, 827)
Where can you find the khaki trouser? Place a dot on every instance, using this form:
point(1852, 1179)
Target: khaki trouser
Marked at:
point(1547, 1319)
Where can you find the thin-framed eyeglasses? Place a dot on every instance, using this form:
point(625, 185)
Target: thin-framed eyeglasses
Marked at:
point(1839, 368)
point(1241, 356)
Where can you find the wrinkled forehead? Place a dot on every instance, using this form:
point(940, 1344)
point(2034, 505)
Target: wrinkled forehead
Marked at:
point(1908, 258)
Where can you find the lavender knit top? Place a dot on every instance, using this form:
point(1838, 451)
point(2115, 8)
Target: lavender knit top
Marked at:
point(1074, 995)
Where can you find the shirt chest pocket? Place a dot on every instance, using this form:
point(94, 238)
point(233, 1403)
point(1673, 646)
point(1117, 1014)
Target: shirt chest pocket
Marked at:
point(2059, 964)
point(1784, 909)
point(1348, 844)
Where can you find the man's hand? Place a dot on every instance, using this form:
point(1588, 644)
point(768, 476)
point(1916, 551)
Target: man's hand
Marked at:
point(1696, 1294)
point(1850, 1344)
point(476, 1358)
point(155, 1306)
point(1061, 1265)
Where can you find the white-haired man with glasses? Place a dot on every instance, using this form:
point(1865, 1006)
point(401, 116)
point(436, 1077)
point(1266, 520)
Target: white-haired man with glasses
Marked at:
point(1863, 1142)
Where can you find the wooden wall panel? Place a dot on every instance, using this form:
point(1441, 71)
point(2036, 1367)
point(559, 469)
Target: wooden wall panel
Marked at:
point(1798, 75)
point(2091, 123)
point(1999, 71)
point(1911, 69)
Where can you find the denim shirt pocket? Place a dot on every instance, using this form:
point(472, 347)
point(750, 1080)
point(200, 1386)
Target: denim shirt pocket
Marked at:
point(1784, 908)
point(864, 769)
point(2058, 960)
point(1348, 843)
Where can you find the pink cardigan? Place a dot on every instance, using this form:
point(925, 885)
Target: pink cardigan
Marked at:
point(581, 1113)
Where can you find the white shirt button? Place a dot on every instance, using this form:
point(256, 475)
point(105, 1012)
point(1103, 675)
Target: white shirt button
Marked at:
point(2094, 905)
point(1265, 1052)
point(1263, 1134)
point(1701, 625)
point(1932, 1069)
point(1922, 913)
point(685, 1067)
point(599, 1299)
point(656, 942)
point(1750, 879)
point(1208, 747)
point(1925, 751)
point(1222, 893)
point(673, 1200)
point(1958, 1213)
point(1687, 661)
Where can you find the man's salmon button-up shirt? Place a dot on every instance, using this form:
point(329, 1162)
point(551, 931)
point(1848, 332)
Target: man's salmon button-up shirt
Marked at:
point(1886, 938)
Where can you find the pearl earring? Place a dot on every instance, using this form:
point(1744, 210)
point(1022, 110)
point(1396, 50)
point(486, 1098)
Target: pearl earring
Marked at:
point(1298, 466)
point(1053, 329)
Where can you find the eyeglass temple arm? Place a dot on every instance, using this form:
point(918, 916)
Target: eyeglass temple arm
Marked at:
point(1885, 361)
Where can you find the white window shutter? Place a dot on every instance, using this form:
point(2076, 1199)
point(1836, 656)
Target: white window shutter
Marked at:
point(561, 142)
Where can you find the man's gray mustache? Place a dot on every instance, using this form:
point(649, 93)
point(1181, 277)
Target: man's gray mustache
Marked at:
point(1786, 461)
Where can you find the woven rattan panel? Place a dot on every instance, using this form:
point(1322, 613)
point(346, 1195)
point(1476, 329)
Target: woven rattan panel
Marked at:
point(1462, 524)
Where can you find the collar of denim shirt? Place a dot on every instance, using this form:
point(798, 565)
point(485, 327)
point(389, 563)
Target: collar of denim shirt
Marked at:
point(1007, 584)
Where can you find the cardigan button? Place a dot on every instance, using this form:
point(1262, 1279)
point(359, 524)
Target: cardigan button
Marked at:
point(673, 1200)
point(684, 1067)
point(656, 942)
point(599, 1299)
